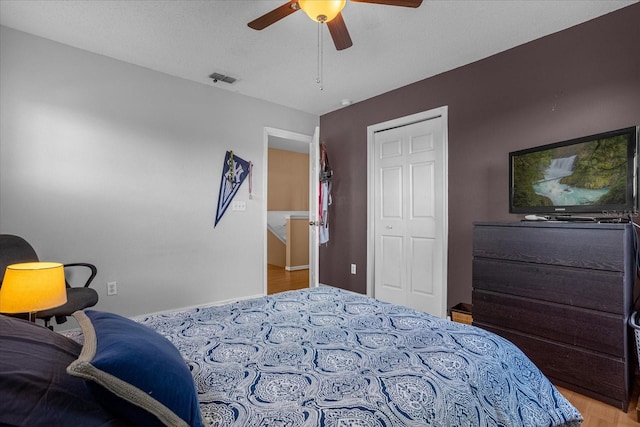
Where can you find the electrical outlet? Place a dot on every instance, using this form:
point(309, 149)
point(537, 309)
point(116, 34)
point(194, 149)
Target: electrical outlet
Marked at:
point(112, 288)
point(353, 269)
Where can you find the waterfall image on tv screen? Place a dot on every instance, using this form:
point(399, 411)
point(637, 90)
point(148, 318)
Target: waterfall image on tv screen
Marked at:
point(582, 174)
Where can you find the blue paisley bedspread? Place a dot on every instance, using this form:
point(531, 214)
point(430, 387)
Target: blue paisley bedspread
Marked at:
point(327, 357)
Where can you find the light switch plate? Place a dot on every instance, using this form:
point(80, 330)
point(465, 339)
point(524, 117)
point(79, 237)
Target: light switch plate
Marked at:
point(239, 206)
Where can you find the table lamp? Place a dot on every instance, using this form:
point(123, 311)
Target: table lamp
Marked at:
point(31, 287)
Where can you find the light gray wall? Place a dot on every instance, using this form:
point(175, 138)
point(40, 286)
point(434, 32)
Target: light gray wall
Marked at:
point(109, 163)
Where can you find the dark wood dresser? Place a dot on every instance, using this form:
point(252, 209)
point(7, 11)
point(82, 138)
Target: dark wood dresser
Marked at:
point(562, 292)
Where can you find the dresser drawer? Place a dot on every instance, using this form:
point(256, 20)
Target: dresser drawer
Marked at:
point(597, 249)
point(589, 329)
point(597, 375)
point(594, 289)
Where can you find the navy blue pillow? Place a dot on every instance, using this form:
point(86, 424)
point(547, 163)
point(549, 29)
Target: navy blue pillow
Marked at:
point(135, 371)
point(35, 388)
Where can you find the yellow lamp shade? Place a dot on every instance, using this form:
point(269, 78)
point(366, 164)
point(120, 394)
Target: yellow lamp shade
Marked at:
point(322, 10)
point(32, 286)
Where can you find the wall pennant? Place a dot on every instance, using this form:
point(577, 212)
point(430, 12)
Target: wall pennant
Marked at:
point(234, 172)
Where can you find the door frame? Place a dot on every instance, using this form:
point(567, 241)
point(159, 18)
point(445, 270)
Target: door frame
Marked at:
point(296, 137)
point(444, 210)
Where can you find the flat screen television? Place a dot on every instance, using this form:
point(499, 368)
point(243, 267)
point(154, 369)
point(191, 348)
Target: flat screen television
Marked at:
point(590, 175)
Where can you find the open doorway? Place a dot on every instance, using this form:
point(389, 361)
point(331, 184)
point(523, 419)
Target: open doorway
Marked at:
point(288, 203)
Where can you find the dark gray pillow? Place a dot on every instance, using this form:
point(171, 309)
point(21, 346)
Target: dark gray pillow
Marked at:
point(36, 389)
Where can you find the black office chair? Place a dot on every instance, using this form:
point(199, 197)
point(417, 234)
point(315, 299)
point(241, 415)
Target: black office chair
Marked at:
point(14, 250)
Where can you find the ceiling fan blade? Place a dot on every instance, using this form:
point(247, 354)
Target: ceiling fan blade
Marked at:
point(339, 32)
point(405, 3)
point(274, 16)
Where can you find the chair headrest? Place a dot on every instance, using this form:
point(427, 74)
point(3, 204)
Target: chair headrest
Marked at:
point(14, 250)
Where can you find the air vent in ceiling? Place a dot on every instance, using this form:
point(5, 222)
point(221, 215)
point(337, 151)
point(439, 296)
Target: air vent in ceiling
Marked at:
point(217, 77)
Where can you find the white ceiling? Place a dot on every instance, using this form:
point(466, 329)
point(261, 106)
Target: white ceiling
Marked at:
point(392, 46)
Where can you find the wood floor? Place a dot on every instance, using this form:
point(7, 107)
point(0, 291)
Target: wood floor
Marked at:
point(594, 412)
point(280, 280)
point(598, 414)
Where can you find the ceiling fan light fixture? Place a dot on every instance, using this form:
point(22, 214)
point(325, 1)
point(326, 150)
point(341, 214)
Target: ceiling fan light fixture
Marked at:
point(322, 10)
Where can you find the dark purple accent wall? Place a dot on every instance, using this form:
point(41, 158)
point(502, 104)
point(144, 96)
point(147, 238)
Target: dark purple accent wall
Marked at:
point(573, 83)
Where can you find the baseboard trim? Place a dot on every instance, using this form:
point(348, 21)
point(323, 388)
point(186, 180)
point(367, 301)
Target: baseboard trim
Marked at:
point(191, 307)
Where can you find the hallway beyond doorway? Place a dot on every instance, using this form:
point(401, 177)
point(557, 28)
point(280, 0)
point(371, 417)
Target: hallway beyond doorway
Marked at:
point(281, 280)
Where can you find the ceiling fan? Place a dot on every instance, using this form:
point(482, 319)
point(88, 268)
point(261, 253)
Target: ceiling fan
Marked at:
point(323, 11)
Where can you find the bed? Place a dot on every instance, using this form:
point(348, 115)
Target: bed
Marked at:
point(328, 357)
